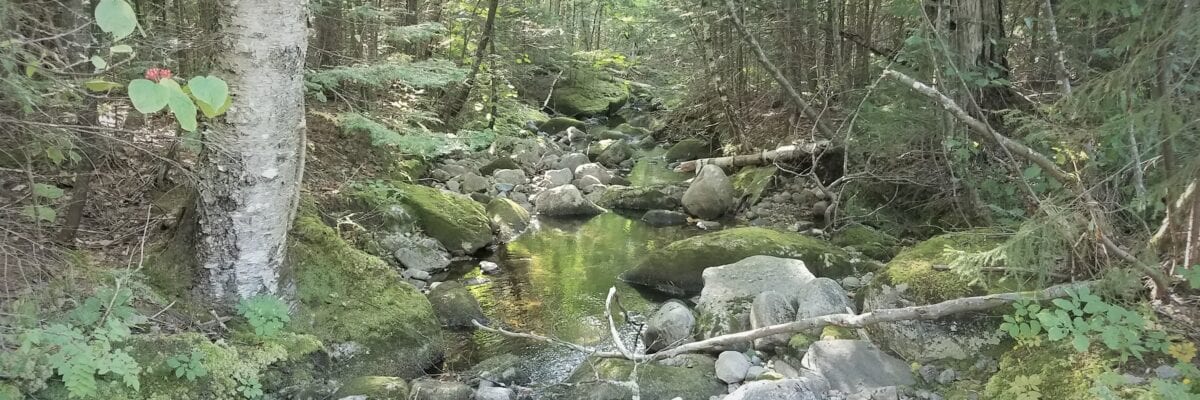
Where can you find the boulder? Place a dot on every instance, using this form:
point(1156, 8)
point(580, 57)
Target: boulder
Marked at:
point(587, 92)
point(374, 387)
point(771, 308)
point(851, 366)
point(729, 291)
point(458, 222)
point(677, 267)
point(455, 306)
point(557, 177)
point(429, 389)
point(632, 131)
point(822, 296)
point(577, 136)
point(508, 369)
point(670, 326)
point(611, 135)
point(473, 183)
point(498, 164)
point(782, 389)
point(615, 154)
point(559, 124)
point(663, 217)
point(871, 242)
point(732, 366)
point(710, 195)
point(572, 161)
point(593, 169)
point(508, 218)
point(564, 201)
point(750, 182)
point(589, 390)
point(510, 176)
point(688, 149)
point(650, 197)
point(587, 180)
point(417, 252)
point(689, 376)
point(495, 393)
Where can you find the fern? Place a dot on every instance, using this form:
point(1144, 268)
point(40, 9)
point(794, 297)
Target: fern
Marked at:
point(417, 141)
point(1037, 249)
point(414, 33)
point(425, 74)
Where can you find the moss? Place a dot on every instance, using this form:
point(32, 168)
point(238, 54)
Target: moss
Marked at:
point(678, 266)
point(1064, 374)
point(870, 242)
point(750, 182)
point(9, 392)
point(559, 124)
point(631, 130)
point(615, 154)
point(914, 266)
point(347, 295)
point(589, 93)
point(408, 170)
point(837, 332)
point(688, 149)
point(457, 221)
point(652, 197)
point(375, 388)
point(508, 218)
point(689, 376)
point(608, 134)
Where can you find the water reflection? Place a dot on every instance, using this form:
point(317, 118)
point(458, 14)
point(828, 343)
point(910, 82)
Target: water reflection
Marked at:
point(554, 282)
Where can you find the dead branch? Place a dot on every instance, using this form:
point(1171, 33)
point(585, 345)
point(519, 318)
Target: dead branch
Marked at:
point(784, 153)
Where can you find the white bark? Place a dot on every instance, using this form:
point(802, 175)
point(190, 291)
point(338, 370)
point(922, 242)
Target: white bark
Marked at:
point(784, 153)
point(254, 159)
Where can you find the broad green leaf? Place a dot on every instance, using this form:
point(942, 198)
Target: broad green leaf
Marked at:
point(100, 85)
point(184, 110)
point(120, 48)
point(55, 155)
point(99, 63)
point(116, 17)
point(43, 213)
point(147, 96)
point(210, 112)
point(209, 90)
point(1081, 343)
point(47, 191)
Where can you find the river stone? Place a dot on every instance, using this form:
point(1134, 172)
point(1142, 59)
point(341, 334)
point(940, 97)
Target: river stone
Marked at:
point(670, 326)
point(417, 252)
point(632, 131)
point(677, 268)
point(688, 376)
point(771, 308)
point(572, 161)
point(510, 176)
point(586, 92)
point(500, 164)
point(565, 200)
point(732, 366)
point(851, 366)
point(557, 177)
point(710, 195)
point(508, 218)
point(472, 183)
point(958, 338)
point(664, 217)
point(374, 387)
point(593, 169)
point(589, 390)
point(456, 221)
point(822, 296)
point(429, 389)
point(611, 135)
point(783, 389)
point(587, 180)
point(559, 124)
point(455, 306)
point(665, 197)
point(615, 154)
point(729, 291)
point(507, 369)
point(495, 393)
point(688, 149)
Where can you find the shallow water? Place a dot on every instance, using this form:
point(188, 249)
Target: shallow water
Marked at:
point(553, 282)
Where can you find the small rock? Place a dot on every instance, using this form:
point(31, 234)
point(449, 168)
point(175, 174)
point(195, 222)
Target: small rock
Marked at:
point(664, 218)
point(708, 225)
point(669, 326)
point(593, 169)
point(572, 161)
point(510, 176)
point(495, 393)
point(476, 281)
point(1166, 372)
point(818, 209)
point(473, 183)
point(416, 274)
point(428, 389)
point(557, 177)
point(947, 377)
point(851, 282)
point(489, 267)
point(732, 366)
point(928, 373)
point(565, 200)
point(754, 372)
point(587, 180)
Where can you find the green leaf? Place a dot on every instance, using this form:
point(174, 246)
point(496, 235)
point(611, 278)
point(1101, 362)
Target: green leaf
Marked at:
point(55, 155)
point(209, 112)
point(1193, 276)
point(99, 63)
point(100, 85)
point(120, 48)
point(43, 213)
point(209, 90)
point(47, 191)
point(116, 17)
point(184, 110)
point(148, 97)
point(1081, 343)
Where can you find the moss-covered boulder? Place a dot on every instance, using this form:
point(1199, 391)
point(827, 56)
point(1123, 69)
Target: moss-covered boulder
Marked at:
point(458, 222)
point(688, 149)
point(498, 164)
point(508, 218)
point(455, 306)
point(615, 154)
point(559, 124)
point(677, 268)
point(608, 134)
point(688, 376)
point(1059, 373)
point(871, 242)
point(375, 387)
point(587, 93)
point(345, 295)
point(914, 266)
point(750, 182)
point(652, 197)
point(631, 130)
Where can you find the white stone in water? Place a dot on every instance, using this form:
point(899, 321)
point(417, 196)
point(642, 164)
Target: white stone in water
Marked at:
point(489, 267)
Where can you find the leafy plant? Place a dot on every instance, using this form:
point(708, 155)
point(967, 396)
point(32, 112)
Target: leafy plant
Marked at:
point(267, 314)
point(1026, 387)
point(189, 366)
point(1084, 317)
point(1023, 325)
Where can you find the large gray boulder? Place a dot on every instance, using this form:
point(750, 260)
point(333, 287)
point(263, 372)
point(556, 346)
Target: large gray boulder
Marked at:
point(510, 176)
point(822, 296)
point(565, 201)
point(729, 290)
point(455, 307)
point(771, 308)
point(960, 338)
point(732, 366)
point(851, 366)
point(783, 389)
point(417, 252)
point(428, 389)
point(594, 169)
point(508, 218)
point(557, 177)
point(670, 326)
point(663, 217)
point(572, 161)
point(710, 195)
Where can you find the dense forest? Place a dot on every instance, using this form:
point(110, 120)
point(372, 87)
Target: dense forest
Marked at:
point(591, 199)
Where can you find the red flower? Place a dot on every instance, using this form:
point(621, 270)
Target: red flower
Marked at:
point(157, 74)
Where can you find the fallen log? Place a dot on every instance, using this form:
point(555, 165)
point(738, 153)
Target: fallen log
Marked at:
point(784, 153)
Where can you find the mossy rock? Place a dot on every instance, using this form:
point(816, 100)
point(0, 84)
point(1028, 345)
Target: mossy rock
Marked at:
point(559, 124)
point(652, 197)
point(455, 306)
point(871, 242)
point(914, 266)
point(750, 182)
point(508, 218)
point(688, 149)
point(631, 130)
point(589, 93)
point(609, 134)
point(677, 268)
point(615, 154)
point(9, 392)
point(375, 388)
point(230, 365)
point(346, 295)
point(499, 163)
point(458, 222)
point(688, 376)
point(1064, 373)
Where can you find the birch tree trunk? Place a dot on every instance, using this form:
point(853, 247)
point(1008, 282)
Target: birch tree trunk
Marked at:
point(254, 158)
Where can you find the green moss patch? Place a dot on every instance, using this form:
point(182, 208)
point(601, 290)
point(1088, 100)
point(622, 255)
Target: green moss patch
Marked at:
point(688, 149)
point(750, 182)
point(1054, 372)
point(588, 93)
point(914, 266)
point(375, 388)
point(871, 242)
point(457, 221)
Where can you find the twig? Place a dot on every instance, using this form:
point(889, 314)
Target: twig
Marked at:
point(531, 336)
point(612, 325)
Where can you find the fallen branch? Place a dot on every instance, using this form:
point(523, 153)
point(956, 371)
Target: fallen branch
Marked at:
point(530, 336)
point(784, 153)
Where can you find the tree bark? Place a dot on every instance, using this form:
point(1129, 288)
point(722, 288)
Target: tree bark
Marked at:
point(459, 96)
point(253, 160)
point(784, 153)
point(78, 46)
point(1060, 58)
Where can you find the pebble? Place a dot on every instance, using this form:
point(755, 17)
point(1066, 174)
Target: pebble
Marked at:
point(947, 377)
point(489, 267)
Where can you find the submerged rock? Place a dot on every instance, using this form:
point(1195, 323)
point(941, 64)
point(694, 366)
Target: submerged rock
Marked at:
point(455, 306)
point(851, 366)
point(729, 291)
point(710, 195)
point(508, 219)
point(664, 217)
point(429, 389)
point(670, 326)
point(374, 387)
point(688, 149)
point(564, 201)
point(677, 267)
point(652, 197)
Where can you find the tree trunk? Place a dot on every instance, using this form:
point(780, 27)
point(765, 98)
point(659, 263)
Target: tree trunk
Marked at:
point(458, 97)
point(78, 46)
point(254, 158)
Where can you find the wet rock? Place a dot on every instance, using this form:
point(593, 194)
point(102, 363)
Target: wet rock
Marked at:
point(455, 306)
point(688, 376)
point(851, 366)
point(688, 149)
point(671, 325)
point(593, 169)
point(508, 219)
point(374, 387)
point(473, 183)
point(559, 124)
point(557, 177)
point(732, 366)
point(663, 217)
point(822, 296)
point(615, 154)
point(417, 252)
point(428, 389)
point(665, 197)
point(495, 393)
point(565, 200)
point(510, 176)
point(710, 195)
point(771, 308)
point(572, 161)
point(499, 164)
point(729, 291)
point(783, 389)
